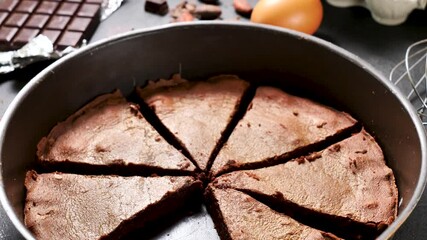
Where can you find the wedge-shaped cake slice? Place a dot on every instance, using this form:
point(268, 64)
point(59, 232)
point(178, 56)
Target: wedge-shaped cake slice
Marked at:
point(110, 135)
point(347, 184)
point(197, 113)
point(239, 216)
point(69, 206)
point(277, 125)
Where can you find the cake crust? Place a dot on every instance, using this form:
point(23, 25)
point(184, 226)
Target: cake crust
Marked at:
point(69, 206)
point(239, 216)
point(348, 180)
point(196, 113)
point(276, 125)
point(110, 134)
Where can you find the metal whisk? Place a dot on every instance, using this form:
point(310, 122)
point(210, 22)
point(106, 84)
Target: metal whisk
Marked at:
point(409, 76)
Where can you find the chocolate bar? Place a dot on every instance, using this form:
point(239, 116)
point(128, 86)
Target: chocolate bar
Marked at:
point(64, 22)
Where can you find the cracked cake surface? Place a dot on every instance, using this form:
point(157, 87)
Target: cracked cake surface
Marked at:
point(109, 132)
point(275, 125)
point(239, 216)
point(348, 180)
point(197, 113)
point(286, 167)
point(70, 206)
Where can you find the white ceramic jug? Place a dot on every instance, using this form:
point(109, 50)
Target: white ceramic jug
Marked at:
point(387, 12)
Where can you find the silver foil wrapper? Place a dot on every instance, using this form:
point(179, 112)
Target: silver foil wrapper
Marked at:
point(41, 48)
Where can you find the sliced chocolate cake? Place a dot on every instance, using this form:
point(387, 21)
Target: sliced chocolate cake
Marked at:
point(197, 113)
point(69, 206)
point(347, 186)
point(277, 126)
point(239, 216)
point(109, 135)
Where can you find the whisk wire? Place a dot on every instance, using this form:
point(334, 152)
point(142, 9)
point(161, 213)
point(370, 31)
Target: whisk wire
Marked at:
point(413, 69)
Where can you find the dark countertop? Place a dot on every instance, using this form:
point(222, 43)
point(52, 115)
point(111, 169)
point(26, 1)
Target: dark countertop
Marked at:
point(350, 28)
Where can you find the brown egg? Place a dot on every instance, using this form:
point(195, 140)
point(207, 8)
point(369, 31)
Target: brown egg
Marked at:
point(300, 15)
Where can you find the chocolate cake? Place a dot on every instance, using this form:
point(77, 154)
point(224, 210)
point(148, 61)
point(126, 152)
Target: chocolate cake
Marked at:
point(278, 126)
point(348, 184)
point(239, 216)
point(68, 206)
point(109, 135)
point(279, 166)
point(197, 113)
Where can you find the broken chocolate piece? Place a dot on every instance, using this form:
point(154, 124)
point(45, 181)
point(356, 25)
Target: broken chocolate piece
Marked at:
point(157, 6)
point(207, 12)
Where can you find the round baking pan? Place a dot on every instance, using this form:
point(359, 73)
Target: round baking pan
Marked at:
point(299, 63)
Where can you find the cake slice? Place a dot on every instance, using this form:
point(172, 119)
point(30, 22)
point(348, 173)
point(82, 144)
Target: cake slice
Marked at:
point(346, 187)
point(109, 135)
point(239, 216)
point(278, 126)
point(197, 113)
point(69, 206)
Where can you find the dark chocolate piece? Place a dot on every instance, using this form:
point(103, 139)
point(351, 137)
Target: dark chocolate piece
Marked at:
point(63, 21)
point(23, 36)
point(157, 6)
point(27, 6)
point(207, 12)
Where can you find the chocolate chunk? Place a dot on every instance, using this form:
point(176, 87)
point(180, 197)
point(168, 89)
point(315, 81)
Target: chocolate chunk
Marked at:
point(16, 19)
point(242, 7)
point(8, 5)
point(27, 6)
point(20, 21)
point(157, 6)
point(70, 38)
point(67, 9)
point(3, 16)
point(58, 22)
point(210, 1)
point(47, 7)
point(37, 21)
point(24, 36)
point(207, 12)
point(88, 10)
point(51, 34)
point(7, 33)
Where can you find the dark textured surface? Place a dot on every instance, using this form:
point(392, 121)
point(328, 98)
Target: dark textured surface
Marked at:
point(20, 21)
point(352, 29)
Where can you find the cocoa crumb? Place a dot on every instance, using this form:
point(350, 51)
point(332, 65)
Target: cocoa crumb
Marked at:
point(362, 152)
point(295, 113)
point(300, 160)
point(335, 148)
point(184, 165)
point(250, 106)
point(100, 149)
point(231, 163)
point(249, 125)
point(118, 162)
point(313, 157)
point(278, 195)
point(258, 210)
point(252, 175)
point(157, 139)
point(372, 205)
point(321, 125)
